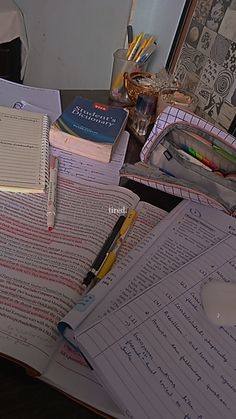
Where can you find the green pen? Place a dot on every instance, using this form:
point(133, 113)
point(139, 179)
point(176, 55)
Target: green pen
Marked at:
point(224, 153)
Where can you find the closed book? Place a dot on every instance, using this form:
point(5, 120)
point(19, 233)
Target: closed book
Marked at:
point(89, 128)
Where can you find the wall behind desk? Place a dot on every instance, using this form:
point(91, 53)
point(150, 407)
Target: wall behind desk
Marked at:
point(72, 41)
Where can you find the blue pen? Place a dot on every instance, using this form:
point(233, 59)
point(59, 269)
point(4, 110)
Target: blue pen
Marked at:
point(166, 172)
point(147, 54)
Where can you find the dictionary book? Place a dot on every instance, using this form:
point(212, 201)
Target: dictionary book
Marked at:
point(89, 128)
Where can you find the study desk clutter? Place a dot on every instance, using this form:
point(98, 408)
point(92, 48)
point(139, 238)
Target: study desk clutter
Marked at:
point(22, 396)
point(156, 332)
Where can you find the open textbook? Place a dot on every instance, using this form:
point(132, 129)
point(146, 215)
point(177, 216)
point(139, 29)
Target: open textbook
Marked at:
point(41, 276)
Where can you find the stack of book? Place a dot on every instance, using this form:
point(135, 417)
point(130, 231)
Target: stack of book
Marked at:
point(89, 128)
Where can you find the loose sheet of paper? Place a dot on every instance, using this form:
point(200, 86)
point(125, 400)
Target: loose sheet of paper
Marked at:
point(159, 355)
point(71, 374)
point(77, 168)
point(184, 233)
point(30, 98)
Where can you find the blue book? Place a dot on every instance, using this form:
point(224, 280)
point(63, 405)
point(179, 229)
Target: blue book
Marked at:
point(89, 128)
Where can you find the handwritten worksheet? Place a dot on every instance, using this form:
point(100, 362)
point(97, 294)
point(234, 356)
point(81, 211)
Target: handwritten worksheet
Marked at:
point(184, 233)
point(72, 375)
point(158, 354)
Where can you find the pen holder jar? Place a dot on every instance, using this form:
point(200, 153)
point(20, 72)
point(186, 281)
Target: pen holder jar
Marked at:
point(122, 65)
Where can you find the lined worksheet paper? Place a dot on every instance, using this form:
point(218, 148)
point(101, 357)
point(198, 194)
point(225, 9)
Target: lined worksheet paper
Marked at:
point(71, 374)
point(76, 167)
point(23, 142)
point(159, 355)
point(183, 234)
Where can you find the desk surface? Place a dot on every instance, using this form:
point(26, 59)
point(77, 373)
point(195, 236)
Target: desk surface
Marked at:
point(24, 397)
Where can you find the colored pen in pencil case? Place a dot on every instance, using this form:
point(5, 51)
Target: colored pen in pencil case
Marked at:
point(199, 157)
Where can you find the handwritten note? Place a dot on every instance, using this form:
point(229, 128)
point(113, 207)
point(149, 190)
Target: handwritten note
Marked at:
point(72, 375)
point(183, 234)
point(158, 353)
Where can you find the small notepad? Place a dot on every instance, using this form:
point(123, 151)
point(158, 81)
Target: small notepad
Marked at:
point(24, 147)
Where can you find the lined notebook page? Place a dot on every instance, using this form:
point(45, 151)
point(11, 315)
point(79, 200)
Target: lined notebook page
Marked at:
point(158, 354)
point(23, 150)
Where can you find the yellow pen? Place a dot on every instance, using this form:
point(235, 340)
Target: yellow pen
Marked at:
point(131, 46)
point(135, 47)
point(118, 83)
point(111, 256)
point(146, 44)
point(141, 48)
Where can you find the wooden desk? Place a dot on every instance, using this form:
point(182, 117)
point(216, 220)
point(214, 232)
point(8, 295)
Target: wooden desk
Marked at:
point(24, 397)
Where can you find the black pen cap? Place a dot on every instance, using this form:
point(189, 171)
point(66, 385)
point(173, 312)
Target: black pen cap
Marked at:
point(86, 281)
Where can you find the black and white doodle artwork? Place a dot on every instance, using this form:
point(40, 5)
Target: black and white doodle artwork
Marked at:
point(207, 60)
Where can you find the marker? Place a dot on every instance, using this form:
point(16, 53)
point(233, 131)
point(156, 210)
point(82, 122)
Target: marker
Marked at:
point(51, 207)
point(130, 34)
point(196, 159)
point(224, 153)
point(198, 156)
point(111, 256)
point(103, 252)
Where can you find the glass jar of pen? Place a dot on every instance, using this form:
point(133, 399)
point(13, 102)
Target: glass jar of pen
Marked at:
point(135, 58)
point(121, 66)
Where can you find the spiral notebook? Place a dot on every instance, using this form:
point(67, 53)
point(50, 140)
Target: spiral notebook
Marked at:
point(24, 149)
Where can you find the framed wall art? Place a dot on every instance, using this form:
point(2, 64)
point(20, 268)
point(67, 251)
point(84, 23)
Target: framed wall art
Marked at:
point(203, 58)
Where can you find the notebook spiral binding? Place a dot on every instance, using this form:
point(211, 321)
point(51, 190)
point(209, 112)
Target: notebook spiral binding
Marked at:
point(44, 171)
